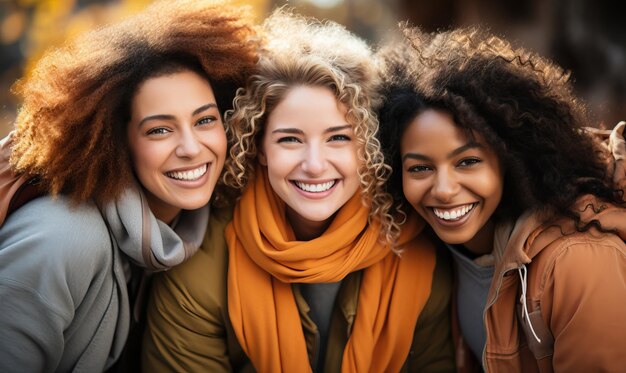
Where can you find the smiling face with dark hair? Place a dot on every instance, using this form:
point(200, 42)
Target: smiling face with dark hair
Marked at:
point(453, 182)
point(177, 142)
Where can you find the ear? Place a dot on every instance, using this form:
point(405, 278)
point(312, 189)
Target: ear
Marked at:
point(261, 155)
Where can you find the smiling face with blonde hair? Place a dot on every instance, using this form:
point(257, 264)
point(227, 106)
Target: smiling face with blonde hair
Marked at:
point(310, 152)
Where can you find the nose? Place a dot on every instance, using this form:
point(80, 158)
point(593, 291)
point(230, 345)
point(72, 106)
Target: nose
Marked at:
point(445, 186)
point(314, 162)
point(188, 144)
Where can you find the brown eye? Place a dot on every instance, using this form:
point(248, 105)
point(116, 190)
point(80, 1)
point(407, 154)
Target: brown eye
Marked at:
point(467, 162)
point(291, 139)
point(158, 131)
point(419, 168)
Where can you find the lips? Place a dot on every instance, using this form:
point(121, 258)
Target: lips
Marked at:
point(188, 175)
point(455, 213)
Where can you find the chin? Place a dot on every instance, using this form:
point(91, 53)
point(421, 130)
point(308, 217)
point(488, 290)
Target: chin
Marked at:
point(316, 218)
point(452, 239)
point(193, 205)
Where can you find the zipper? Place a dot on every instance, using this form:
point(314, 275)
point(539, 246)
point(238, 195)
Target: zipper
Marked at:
point(491, 303)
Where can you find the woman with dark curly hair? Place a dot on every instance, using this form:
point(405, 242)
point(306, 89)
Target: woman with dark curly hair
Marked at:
point(305, 280)
point(123, 129)
point(486, 144)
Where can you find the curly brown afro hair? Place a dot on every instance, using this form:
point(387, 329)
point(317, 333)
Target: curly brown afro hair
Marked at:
point(70, 129)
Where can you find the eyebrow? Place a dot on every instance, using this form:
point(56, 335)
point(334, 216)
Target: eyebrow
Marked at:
point(170, 117)
point(457, 151)
point(300, 132)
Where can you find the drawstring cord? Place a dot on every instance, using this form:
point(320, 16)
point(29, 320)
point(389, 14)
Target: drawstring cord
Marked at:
point(523, 275)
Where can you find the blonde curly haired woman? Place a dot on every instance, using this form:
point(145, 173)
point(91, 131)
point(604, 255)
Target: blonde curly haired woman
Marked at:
point(123, 128)
point(304, 279)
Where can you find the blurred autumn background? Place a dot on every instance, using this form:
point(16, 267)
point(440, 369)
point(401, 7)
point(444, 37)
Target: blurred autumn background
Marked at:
point(586, 37)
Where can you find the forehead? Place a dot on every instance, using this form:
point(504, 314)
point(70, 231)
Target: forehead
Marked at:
point(307, 108)
point(177, 87)
point(435, 128)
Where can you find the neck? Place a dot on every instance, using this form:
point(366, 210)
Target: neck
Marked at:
point(482, 242)
point(162, 211)
point(306, 230)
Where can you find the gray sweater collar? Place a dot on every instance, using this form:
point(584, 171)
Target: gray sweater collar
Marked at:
point(149, 242)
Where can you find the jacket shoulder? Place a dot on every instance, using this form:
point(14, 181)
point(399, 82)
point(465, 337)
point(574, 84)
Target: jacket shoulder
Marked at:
point(54, 249)
point(576, 283)
point(203, 277)
point(556, 247)
point(432, 349)
point(189, 303)
point(54, 230)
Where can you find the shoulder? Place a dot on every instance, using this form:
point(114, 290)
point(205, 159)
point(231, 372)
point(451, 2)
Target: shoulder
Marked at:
point(53, 251)
point(555, 245)
point(577, 283)
point(424, 257)
point(203, 277)
point(53, 230)
point(58, 214)
point(579, 261)
point(441, 289)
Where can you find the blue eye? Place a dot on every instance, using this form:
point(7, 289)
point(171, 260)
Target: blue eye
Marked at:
point(206, 121)
point(339, 138)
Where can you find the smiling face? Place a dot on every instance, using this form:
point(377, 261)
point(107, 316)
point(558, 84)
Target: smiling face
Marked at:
point(177, 142)
point(310, 152)
point(454, 183)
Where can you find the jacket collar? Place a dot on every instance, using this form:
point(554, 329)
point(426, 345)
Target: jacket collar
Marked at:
point(347, 301)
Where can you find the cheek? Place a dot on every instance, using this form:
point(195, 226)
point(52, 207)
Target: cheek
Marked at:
point(146, 158)
point(280, 165)
point(413, 190)
point(277, 161)
point(490, 184)
point(273, 153)
point(219, 145)
point(348, 161)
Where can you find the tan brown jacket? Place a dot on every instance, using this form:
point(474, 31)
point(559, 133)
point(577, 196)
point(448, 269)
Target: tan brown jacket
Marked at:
point(575, 294)
point(189, 329)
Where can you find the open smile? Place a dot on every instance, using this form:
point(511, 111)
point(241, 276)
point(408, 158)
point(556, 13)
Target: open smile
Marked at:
point(453, 214)
point(188, 175)
point(315, 187)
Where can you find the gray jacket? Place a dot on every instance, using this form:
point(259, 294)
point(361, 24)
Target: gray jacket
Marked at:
point(64, 269)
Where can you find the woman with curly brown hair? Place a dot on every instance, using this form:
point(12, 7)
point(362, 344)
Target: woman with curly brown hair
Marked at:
point(123, 128)
point(486, 144)
point(305, 279)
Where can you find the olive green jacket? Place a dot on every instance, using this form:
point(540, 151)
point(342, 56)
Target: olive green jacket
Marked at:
point(189, 329)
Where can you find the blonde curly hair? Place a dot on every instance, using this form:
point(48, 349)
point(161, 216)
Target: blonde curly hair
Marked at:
point(70, 129)
point(302, 51)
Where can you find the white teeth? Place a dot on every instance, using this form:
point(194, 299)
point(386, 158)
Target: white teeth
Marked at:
point(455, 214)
point(315, 188)
point(188, 175)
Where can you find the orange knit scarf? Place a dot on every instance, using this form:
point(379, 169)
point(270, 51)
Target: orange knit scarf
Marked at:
point(265, 259)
